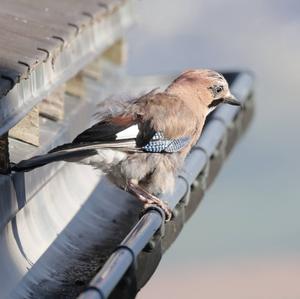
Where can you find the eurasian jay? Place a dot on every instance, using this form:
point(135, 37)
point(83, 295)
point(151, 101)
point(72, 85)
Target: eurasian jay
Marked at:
point(141, 143)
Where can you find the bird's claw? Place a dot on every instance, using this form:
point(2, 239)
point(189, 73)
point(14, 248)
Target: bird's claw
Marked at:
point(163, 206)
point(150, 200)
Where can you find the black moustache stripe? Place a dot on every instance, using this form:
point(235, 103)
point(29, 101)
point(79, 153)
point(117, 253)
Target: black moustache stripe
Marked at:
point(215, 103)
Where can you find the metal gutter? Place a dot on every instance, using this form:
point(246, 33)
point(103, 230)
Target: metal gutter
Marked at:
point(124, 256)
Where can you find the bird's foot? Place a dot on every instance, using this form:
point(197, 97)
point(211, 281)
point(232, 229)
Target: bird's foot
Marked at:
point(163, 205)
point(149, 200)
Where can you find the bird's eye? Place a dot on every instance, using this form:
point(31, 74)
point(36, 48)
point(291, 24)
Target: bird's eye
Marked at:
point(218, 89)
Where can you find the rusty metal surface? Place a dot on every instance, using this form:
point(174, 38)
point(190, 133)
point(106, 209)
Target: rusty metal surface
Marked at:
point(44, 43)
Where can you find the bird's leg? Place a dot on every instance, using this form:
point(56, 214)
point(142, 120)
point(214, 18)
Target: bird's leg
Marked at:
point(148, 199)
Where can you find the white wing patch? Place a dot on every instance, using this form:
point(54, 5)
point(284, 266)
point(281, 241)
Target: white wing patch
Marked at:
point(130, 132)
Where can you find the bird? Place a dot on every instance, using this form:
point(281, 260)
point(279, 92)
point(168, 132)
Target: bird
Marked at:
point(141, 143)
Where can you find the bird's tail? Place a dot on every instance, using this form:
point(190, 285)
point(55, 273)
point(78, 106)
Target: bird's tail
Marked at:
point(75, 153)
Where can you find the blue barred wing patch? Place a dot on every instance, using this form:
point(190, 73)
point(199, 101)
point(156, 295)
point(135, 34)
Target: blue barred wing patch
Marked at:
point(159, 144)
point(177, 144)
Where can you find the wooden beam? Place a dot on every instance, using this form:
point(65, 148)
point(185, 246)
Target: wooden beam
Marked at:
point(76, 86)
point(117, 53)
point(93, 70)
point(27, 129)
point(4, 154)
point(53, 106)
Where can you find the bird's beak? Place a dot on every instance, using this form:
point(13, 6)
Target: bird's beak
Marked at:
point(231, 99)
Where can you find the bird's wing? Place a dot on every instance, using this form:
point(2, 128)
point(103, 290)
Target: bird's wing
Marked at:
point(107, 129)
point(115, 132)
point(112, 133)
point(119, 120)
point(154, 123)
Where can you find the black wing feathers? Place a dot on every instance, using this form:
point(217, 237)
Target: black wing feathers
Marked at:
point(105, 130)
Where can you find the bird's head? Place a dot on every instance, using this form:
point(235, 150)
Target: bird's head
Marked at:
point(206, 87)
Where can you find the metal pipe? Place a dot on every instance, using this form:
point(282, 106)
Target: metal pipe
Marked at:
point(124, 256)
